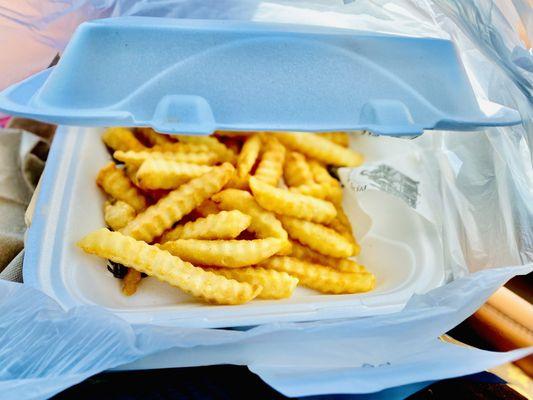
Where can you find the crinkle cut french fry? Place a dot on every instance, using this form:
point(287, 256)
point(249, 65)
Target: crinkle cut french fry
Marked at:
point(270, 167)
point(131, 282)
point(340, 138)
point(224, 154)
point(346, 232)
point(178, 147)
point(320, 148)
point(118, 215)
point(264, 223)
point(152, 137)
point(224, 225)
point(237, 182)
point(341, 264)
point(166, 174)
point(223, 253)
point(155, 262)
point(320, 191)
point(136, 158)
point(321, 278)
point(114, 182)
point(321, 174)
point(207, 207)
point(292, 204)
point(275, 284)
point(248, 155)
point(159, 217)
point(121, 139)
point(318, 237)
point(296, 171)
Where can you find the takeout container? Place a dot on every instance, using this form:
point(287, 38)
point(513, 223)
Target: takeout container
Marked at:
point(198, 76)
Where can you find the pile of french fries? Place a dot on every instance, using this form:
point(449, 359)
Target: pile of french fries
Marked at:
point(229, 217)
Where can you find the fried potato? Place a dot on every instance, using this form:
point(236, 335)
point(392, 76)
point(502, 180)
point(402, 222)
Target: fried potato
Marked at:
point(320, 148)
point(224, 225)
point(131, 282)
point(166, 174)
point(264, 223)
point(121, 139)
point(321, 174)
point(275, 284)
point(223, 253)
point(318, 237)
point(340, 138)
point(320, 191)
point(224, 154)
point(296, 171)
point(297, 205)
point(152, 137)
point(159, 217)
point(136, 158)
point(248, 156)
point(118, 215)
point(114, 182)
point(345, 231)
point(237, 182)
point(341, 264)
point(155, 262)
point(270, 167)
point(207, 207)
point(321, 278)
point(178, 147)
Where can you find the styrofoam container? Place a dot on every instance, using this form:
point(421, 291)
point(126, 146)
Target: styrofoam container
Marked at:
point(398, 245)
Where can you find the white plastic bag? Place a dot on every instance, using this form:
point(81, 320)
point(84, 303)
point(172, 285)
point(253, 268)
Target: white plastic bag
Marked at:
point(479, 188)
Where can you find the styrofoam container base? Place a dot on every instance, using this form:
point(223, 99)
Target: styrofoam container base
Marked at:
point(399, 246)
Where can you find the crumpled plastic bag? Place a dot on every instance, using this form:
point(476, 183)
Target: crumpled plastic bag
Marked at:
point(480, 192)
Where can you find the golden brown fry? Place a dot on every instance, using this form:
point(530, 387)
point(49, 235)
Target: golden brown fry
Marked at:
point(275, 284)
point(248, 156)
point(237, 182)
point(264, 223)
point(297, 205)
point(114, 182)
point(118, 215)
point(136, 158)
point(152, 137)
point(296, 171)
point(177, 147)
point(131, 173)
point(340, 264)
point(320, 148)
point(224, 154)
point(318, 237)
point(159, 217)
point(321, 278)
point(345, 230)
point(131, 282)
point(224, 225)
point(270, 167)
point(223, 253)
point(165, 174)
point(121, 139)
point(155, 262)
point(320, 191)
point(207, 207)
point(340, 138)
point(321, 174)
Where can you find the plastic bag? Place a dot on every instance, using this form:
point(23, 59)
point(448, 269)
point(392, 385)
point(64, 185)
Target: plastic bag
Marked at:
point(480, 192)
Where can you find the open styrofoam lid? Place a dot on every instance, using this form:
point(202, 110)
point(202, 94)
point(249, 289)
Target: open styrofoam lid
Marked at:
point(197, 76)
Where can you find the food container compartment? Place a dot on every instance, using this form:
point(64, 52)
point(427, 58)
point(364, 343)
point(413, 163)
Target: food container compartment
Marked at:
point(398, 246)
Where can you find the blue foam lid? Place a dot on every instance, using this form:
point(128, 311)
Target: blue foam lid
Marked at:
point(197, 76)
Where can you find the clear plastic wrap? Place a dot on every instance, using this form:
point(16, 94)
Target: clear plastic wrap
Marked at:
point(479, 195)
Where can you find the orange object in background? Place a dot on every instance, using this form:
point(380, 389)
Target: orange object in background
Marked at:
point(506, 322)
